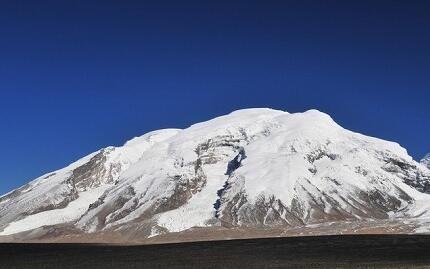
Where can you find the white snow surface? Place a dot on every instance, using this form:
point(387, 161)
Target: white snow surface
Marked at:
point(71, 212)
point(148, 172)
point(426, 161)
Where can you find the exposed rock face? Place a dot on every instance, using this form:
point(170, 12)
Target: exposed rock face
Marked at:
point(252, 168)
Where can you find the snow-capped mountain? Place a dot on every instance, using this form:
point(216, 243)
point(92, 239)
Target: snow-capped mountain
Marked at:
point(251, 168)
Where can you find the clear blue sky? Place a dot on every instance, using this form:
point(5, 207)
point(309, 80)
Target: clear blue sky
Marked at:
point(76, 76)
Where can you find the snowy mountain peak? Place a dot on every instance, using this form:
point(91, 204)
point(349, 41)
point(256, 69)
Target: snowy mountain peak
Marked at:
point(249, 112)
point(251, 168)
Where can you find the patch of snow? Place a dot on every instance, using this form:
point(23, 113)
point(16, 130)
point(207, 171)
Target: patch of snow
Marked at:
point(423, 229)
point(154, 232)
point(72, 212)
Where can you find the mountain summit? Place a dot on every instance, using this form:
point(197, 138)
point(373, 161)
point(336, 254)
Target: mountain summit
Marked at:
point(252, 169)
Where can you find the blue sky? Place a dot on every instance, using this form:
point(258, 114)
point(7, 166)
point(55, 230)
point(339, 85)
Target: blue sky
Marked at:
point(76, 76)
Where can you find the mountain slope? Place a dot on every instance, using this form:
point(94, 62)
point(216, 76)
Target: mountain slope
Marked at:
point(64, 195)
point(426, 160)
point(251, 168)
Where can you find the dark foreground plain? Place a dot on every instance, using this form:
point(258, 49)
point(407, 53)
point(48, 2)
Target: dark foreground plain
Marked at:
point(356, 251)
